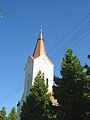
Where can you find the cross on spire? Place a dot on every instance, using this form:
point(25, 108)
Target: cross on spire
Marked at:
point(40, 35)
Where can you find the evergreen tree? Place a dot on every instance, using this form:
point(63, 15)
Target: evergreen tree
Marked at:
point(56, 91)
point(12, 115)
point(38, 103)
point(71, 88)
point(87, 91)
point(3, 114)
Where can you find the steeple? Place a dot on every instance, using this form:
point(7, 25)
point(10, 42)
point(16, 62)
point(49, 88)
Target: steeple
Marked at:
point(40, 48)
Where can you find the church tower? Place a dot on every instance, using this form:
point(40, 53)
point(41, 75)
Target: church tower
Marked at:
point(35, 63)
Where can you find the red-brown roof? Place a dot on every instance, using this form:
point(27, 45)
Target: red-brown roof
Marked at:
point(40, 48)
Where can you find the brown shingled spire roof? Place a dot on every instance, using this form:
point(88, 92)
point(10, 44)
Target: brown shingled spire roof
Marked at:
point(39, 49)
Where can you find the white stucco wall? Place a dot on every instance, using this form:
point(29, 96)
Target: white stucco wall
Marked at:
point(43, 64)
point(33, 66)
point(27, 84)
point(28, 76)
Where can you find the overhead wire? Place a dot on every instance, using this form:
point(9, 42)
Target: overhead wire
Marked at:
point(86, 16)
point(75, 44)
point(71, 46)
point(53, 49)
point(11, 90)
point(72, 40)
point(72, 37)
point(77, 25)
point(19, 81)
point(9, 95)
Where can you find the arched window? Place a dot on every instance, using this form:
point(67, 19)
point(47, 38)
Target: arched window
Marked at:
point(28, 79)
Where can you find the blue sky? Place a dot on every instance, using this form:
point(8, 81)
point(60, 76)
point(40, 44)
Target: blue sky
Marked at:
point(19, 30)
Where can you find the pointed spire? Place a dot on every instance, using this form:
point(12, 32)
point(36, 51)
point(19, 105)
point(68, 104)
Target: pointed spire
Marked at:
point(40, 48)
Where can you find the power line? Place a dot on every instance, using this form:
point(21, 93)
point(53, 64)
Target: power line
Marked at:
point(81, 32)
point(52, 50)
point(72, 37)
point(75, 37)
point(81, 21)
point(72, 46)
point(75, 44)
point(11, 87)
point(70, 32)
point(15, 91)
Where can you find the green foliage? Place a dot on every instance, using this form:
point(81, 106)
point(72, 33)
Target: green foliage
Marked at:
point(87, 91)
point(3, 114)
point(12, 115)
point(71, 88)
point(38, 103)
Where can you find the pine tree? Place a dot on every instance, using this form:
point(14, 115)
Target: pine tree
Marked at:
point(12, 115)
point(71, 86)
point(3, 114)
point(87, 91)
point(38, 103)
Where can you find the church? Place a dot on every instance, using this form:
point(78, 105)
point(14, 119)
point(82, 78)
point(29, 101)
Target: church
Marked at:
point(39, 61)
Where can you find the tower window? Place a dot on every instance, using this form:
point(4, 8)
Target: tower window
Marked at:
point(28, 79)
point(46, 81)
point(27, 87)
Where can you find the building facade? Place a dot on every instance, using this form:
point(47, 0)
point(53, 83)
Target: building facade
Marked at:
point(38, 62)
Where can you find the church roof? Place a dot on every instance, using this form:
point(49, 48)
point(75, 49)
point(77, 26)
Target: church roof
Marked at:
point(40, 48)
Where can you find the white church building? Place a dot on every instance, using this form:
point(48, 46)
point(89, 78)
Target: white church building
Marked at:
point(39, 61)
